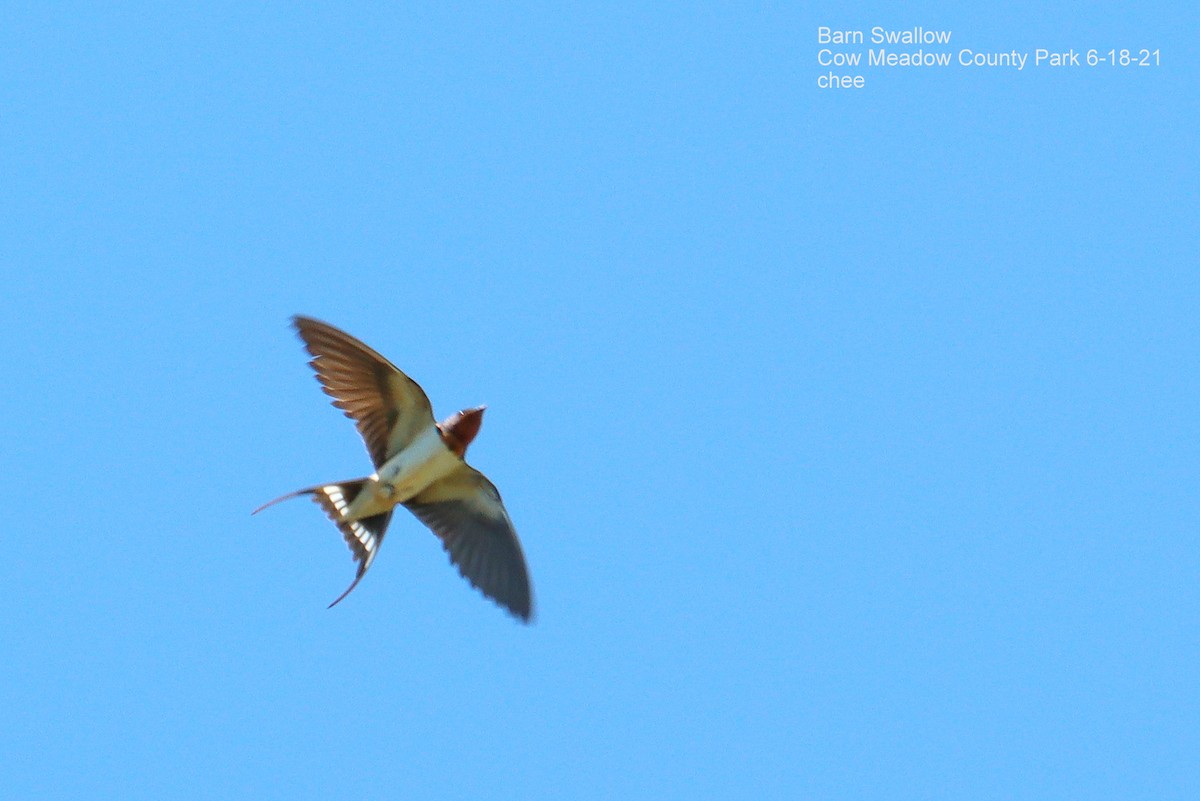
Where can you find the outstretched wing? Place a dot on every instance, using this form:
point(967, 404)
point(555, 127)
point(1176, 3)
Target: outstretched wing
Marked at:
point(388, 407)
point(464, 509)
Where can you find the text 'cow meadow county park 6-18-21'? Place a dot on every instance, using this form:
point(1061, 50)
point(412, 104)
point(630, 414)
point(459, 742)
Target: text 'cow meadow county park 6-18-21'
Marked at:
point(920, 47)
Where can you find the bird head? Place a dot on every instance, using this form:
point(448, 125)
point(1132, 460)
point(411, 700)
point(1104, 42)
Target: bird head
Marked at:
point(460, 428)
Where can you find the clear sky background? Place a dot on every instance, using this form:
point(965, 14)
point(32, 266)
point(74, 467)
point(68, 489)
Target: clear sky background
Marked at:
point(852, 436)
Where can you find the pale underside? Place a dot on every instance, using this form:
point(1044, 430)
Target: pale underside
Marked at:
point(404, 475)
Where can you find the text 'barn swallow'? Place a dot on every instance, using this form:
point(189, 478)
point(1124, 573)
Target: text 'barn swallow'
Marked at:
point(418, 464)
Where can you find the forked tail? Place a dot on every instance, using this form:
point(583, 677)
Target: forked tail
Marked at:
point(363, 536)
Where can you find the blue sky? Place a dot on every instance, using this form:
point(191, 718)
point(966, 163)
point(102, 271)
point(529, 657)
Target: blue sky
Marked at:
point(851, 436)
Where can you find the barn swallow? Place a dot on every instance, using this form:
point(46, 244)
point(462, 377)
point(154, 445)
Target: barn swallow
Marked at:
point(418, 464)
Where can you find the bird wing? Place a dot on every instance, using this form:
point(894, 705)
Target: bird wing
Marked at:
point(388, 408)
point(465, 511)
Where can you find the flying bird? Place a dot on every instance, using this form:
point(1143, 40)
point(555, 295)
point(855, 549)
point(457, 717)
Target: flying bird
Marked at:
point(419, 464)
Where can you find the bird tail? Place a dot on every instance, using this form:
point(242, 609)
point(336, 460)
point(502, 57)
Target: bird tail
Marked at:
point(363, 536)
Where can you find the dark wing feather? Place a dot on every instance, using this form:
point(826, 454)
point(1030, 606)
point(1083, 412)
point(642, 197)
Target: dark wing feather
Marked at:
point(464, 509)
point(388, 407)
